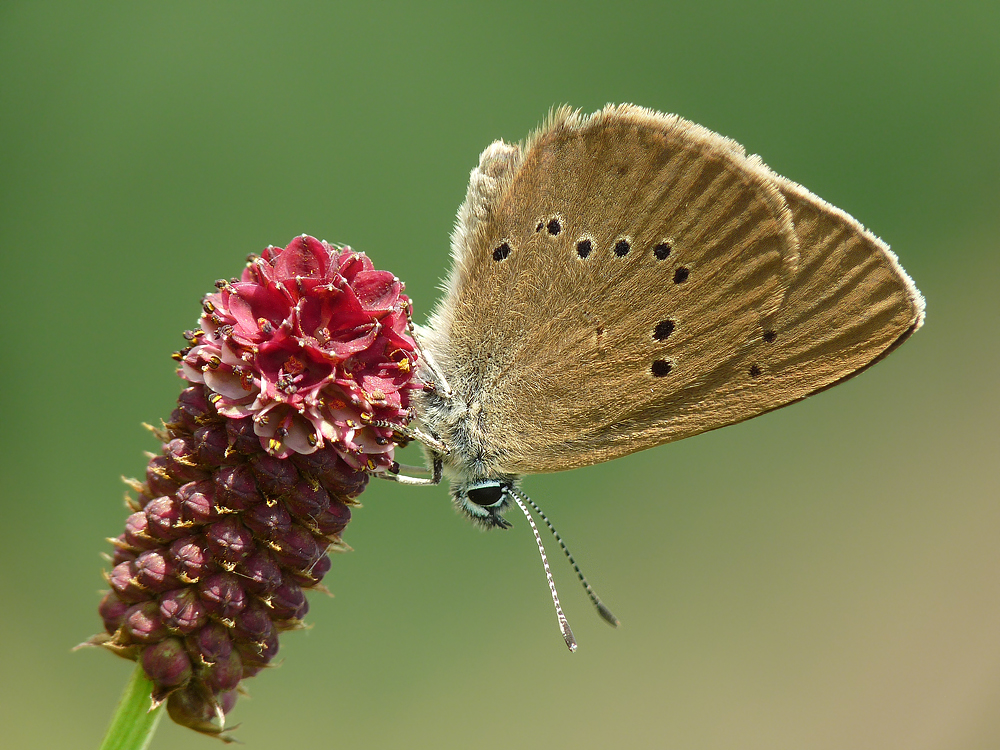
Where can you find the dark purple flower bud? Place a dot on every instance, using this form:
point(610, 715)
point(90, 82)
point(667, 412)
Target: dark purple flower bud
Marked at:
point(191, 558)
point(249, 670)
point(261, 574)
point(225, 673)
point(318, 462)
point(182, 460)
point(328, 467)
point(237, 488)
point(242, 437)
point(212, 444)
point(162, 516)
point(227, 700)
point(144, 624)
point(197, 502)
point(306, 501)
point(195, 706)
point(289, 602)
point(167, 663)
point(142, 500)
point(229, 540)
point(258, 652)
point(158, 477)
point(314, 573)
point(136, 532)
point(178, 419)
point(297, 548)
point(333, 521)
point(275, 475)
point(193, 406)
point(212, 643)
point(112, 610)
point(254, 622)
point(268, 519)
point(356, 485)
point(182, 611)
point(123, 582)
point(123, 551)
point(222, 595)
point(155, 571)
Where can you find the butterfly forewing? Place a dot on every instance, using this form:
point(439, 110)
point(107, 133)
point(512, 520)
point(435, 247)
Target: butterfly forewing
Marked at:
point(630, 278)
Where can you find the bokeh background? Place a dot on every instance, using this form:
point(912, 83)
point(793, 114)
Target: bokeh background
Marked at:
point(827, 576)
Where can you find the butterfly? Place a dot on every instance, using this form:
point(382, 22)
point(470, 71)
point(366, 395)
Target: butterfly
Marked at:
point(626, 279)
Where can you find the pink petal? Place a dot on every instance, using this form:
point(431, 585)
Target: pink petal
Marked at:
point(378, 291)
point(298, 436)
point(227, 383)
point(305, 256)
point(250, 303)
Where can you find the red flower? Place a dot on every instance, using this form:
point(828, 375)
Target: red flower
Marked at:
point(312, 343)
point(260, 463)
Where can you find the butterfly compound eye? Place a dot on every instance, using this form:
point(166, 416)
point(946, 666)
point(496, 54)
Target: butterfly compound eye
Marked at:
point(485, 495)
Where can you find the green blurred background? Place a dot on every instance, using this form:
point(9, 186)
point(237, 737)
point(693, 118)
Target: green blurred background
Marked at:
point(827, 576)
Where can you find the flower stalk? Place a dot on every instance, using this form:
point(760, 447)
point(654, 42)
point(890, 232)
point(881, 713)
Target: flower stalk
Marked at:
point(135, 720)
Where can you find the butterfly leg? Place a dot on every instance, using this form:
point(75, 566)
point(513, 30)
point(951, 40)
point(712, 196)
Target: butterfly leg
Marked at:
point(394, 474)
point(437, 449)
point(414, 433)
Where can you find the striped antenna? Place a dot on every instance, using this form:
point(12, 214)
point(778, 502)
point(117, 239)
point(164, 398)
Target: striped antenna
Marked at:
point(564, 628)
point(606, 614)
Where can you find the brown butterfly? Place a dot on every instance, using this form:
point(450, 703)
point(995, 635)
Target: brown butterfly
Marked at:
point(629, 278)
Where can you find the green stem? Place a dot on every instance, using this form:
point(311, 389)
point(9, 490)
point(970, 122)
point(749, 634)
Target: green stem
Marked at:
point(133, 724)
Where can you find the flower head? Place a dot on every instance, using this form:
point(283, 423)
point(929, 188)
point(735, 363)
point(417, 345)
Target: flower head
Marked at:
point(311, 343)
point(300, 373)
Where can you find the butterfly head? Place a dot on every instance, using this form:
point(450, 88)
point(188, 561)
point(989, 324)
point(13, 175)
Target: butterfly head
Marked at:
point(484, 501)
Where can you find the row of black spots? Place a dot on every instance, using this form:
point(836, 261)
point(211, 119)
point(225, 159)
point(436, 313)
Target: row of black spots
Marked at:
point(621, 248)
point(585, 245)
point(769, 336)
point(661, 252)
point(552, 225)
point(661, 332)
